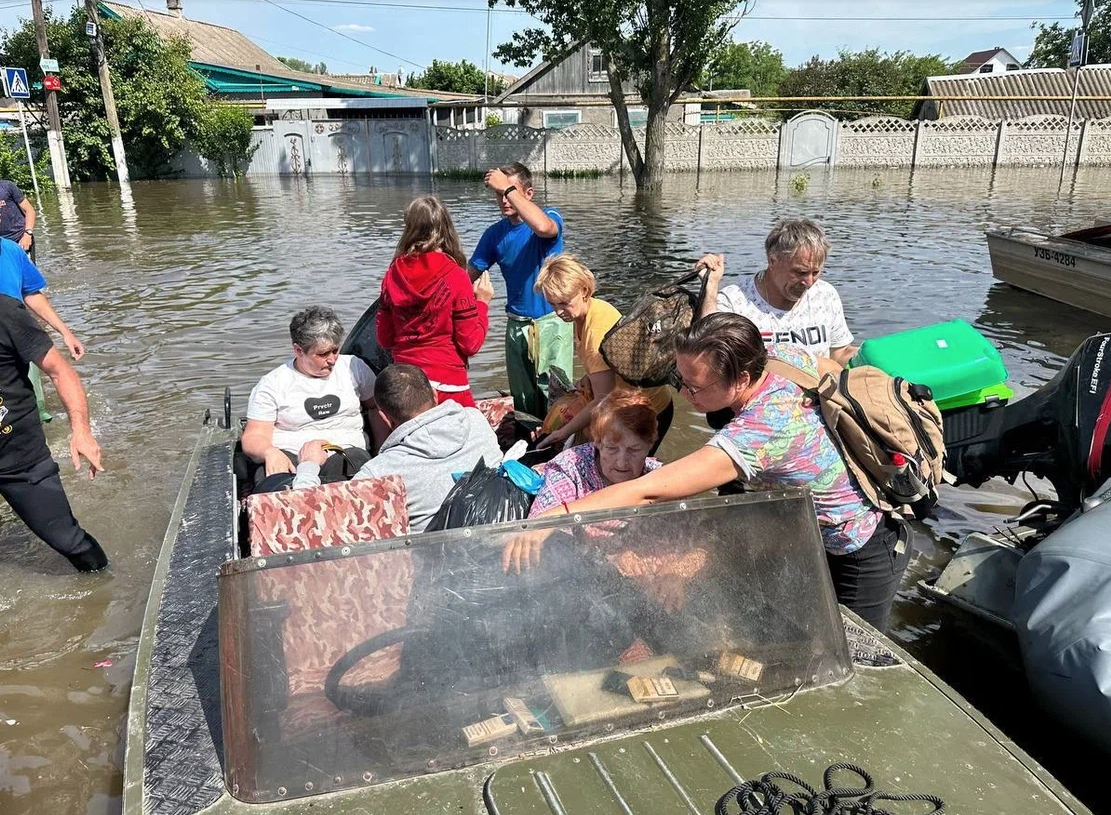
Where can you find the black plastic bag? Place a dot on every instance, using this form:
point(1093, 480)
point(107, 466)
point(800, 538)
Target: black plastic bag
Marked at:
point(483, 496)
point(641, 347)
point(362, 342)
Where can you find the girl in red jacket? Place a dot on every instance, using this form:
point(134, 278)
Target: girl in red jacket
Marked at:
point(431, 315)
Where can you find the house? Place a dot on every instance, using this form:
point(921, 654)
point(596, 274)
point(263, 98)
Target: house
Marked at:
point(993, 61)
point(570, 90)
point(1095, 80)
point(234, 68)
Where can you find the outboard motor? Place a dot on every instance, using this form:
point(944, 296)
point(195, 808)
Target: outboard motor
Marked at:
point(1060, 432)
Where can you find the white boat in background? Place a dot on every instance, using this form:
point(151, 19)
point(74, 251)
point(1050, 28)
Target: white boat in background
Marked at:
point(1074, 268)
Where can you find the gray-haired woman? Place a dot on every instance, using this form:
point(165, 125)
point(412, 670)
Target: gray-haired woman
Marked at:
point(775, 440)
point(318, 394)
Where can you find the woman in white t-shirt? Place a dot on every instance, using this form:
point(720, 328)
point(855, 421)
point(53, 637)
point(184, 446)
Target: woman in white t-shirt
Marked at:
point(318, 394)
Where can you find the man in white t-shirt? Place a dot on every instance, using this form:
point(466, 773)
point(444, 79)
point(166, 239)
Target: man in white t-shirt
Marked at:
point(317, 395)
point(787, 301)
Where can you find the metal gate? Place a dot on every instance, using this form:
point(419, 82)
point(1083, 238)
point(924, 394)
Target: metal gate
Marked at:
point(808, 139)
point(352, 146)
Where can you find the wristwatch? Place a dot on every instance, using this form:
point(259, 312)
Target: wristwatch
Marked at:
point(509, 189)
point(30, 232)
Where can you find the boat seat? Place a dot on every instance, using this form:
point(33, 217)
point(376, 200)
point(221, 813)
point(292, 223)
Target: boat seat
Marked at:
point(356, 511)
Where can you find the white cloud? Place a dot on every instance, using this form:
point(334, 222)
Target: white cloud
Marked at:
point(362, 29)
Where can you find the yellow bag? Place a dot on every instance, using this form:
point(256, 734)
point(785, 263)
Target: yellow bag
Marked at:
point(567, 407)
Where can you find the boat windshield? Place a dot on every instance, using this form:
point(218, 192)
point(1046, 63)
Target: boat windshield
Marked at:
point(354, 666)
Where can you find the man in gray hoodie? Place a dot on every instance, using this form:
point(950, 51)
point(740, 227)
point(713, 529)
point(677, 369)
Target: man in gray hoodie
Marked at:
point(426, 445)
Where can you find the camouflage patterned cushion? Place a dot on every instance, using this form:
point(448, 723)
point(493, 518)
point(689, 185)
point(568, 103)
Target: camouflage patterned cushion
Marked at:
point(495, 410)
point(365, 509)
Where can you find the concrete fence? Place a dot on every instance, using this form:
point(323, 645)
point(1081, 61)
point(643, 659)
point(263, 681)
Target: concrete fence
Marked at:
point(812, 139)
point(357, 147)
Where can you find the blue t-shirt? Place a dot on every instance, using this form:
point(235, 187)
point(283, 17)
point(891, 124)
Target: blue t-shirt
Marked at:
point(519, 253)
point(18, 275)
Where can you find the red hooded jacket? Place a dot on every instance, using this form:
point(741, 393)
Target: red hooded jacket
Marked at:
point(429, 316)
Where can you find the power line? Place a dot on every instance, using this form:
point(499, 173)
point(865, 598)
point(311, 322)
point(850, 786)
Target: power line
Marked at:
point(345, 36)
point(482, 9)
point(302, 50)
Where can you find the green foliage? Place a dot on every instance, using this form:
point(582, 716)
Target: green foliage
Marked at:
point(223, 136)
point(455, 77)
point(493, 120)
point(864, 73)
point(660, 46)
point(461, 174)
point(304, 67)
point(799, 183)
point(595, 173)
point(1051, 46)
point(14, 167)
point(159, 99)
point(740, 65)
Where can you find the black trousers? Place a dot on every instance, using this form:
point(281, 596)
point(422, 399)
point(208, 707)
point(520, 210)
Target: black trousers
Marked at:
point(336, 468)
point(866, 580)
point(37, 497)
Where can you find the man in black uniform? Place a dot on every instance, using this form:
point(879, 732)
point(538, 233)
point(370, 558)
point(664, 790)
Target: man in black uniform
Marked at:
point(29, 479)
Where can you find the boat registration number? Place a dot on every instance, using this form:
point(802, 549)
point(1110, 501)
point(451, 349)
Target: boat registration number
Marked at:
point(1056, 257)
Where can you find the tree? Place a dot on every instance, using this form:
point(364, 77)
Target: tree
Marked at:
point(1051, 46)
point(659, 46)
point(740, 65)
point(223, 136)
point(159, 99)
point(304, 67)
point(456, 77)
point(864, 73)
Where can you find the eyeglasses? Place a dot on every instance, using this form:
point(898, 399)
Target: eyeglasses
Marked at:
point(680, 383)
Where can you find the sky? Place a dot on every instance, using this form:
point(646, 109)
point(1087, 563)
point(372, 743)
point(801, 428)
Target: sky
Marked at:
point(351, 36)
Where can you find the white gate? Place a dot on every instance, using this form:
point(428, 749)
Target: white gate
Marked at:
point(808, 139)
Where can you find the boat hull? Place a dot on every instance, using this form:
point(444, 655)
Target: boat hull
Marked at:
point(1064, 270)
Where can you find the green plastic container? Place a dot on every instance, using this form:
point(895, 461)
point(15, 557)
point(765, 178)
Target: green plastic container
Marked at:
point(955, 360)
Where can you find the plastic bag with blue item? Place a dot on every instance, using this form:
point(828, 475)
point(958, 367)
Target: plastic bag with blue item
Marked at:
point(487, 495)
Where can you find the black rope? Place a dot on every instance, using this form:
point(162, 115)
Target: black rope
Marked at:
point(766, 796)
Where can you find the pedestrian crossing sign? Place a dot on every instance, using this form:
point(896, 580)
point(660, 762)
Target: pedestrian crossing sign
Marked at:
point(15, 83)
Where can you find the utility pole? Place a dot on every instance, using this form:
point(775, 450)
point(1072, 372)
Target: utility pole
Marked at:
point(54, 131)
point(106, 90)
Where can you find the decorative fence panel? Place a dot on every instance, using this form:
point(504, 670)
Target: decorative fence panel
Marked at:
point(1097, 142)
point(505, 144)
point(877, 141)
point(584, 147)
point(959, 141)
point(1037, 141)
point(746, 144)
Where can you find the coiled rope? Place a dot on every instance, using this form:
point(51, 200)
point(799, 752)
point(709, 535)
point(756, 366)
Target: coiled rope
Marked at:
point(766, 796)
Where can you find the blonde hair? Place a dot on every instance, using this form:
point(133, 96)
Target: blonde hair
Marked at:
point(562, 277)
point(429, 228)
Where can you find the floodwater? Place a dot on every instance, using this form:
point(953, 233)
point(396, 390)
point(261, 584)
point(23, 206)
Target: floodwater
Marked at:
point(182, 288)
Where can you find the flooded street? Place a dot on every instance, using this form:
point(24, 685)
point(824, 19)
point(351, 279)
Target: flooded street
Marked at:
point(190, 286)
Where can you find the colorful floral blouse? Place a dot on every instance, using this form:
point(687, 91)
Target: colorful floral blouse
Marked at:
point(571, 475)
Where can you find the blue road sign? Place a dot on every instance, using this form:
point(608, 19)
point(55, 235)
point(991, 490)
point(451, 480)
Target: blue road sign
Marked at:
point(15, 83)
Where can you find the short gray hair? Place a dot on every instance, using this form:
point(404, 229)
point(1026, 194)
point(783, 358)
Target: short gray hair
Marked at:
point(316, 323)
point(788, 237)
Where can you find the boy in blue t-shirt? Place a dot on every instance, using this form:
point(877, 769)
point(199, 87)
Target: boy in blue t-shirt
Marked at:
point(535, 338)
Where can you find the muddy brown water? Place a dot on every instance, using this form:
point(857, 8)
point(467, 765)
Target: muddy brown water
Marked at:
point(185, 287)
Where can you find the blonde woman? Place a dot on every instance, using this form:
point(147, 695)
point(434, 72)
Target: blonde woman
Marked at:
point(431, 315)
point(568, 286)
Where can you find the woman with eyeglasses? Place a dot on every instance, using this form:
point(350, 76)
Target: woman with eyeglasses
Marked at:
point(776, 440)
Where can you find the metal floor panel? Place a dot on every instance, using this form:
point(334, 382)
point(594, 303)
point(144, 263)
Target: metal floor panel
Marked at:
point(182, 767)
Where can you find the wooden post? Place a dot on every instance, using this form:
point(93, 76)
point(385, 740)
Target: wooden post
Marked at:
point(999, 137)
point(109, 98)
point(1081, 141)
point(917, 139)
point(54, 131)
point(701, 128)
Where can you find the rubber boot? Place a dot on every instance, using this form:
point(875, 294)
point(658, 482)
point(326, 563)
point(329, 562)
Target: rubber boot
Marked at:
point(92, 559)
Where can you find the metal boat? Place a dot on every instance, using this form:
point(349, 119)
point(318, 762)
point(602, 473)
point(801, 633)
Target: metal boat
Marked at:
point(651, 661)
point(1074, 268)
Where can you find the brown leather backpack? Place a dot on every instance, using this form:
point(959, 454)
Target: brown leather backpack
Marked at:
point(887, 429)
